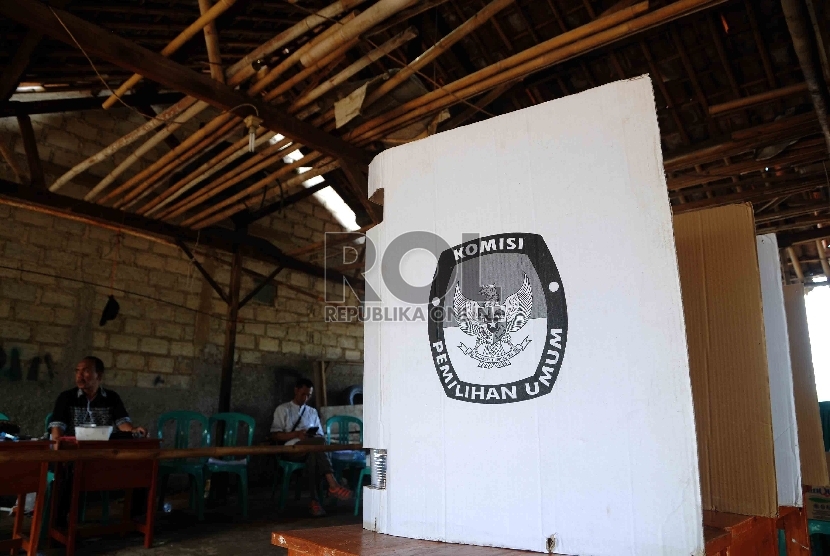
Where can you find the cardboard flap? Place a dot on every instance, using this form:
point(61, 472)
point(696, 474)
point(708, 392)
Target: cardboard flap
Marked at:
point(727, 358)
point(810, 437)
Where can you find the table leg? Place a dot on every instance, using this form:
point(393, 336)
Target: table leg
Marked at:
point(127, 511)
point(72, 519)
point(151, 506)
point(37, 517)
point(17, 528)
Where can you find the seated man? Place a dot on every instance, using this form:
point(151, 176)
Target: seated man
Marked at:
point(297, 423)
point(89, 403)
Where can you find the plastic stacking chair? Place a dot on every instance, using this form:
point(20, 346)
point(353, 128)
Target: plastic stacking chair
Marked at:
point(288, 468)
point(340, 461)
point(365, 472)
point(229, 464)
point(194, 468)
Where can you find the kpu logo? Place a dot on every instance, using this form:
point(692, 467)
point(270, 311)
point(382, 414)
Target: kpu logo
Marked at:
point(498, 322)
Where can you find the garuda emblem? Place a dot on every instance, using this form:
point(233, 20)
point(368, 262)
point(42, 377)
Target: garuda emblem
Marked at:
point(492, 323)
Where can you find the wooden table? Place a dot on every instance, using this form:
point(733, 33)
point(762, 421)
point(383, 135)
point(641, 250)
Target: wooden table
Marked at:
point(106, 475)
point(725, 535)
point(19, 479)
point(353, 540)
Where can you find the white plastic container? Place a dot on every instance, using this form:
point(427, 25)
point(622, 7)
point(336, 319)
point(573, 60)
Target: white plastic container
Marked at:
point(92, 432)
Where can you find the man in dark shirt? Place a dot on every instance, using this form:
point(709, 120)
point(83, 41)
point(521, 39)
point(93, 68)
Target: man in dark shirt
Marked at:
point(89, 403)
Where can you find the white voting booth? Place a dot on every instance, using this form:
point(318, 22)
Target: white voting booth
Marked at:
point(549, 408)
point(784, 427)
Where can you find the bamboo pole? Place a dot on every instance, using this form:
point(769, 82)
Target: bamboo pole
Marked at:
point(822, 255)
point(253, 188)
point(218, 9)
point(796, 264)
point(144, 187)
point(583, 39)
point(273, 155)
point(212, 44)
point(216, 129)
point(479, 19)
point(187, 143)
point(153, 181)
point(740, 103)
point(168, 130)
point(237, 73)
point(107, 152)
point(294, 58)
point(196, 108)
point(162, 454)
point(328, 165)
point(219, 161)
point(353, 29)
point(243, 69)
point(9, 156)
point(313, 68)
point(395, 42)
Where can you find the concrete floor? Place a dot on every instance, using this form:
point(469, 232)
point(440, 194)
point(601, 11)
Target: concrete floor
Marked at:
point(223, 532)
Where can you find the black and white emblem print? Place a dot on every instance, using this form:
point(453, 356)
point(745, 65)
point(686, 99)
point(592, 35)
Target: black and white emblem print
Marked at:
point(498, 319)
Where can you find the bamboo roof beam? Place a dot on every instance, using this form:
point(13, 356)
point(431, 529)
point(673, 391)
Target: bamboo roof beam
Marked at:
point(754, 100)
point(571, 44)
point(199, 217)
point(324, 167)
point(219, 161)
point(387, 47)
point(212, 44)
point(243, 69)
point(208, 17)
point(267, 158)
point(136, 155)
point(156, 179)
point(822, 255)
point(479, 19)
point(333, 57)
point(799, 272)
point(380, 11)
point(161, 119)
point(136, 183)
point(294, 58)
point(97, 42)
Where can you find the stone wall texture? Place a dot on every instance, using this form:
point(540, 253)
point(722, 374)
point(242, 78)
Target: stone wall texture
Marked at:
point(163, 351)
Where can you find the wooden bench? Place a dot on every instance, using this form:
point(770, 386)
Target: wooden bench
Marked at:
point(19, 479)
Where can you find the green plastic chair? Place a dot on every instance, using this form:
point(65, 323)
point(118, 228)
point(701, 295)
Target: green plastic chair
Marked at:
point(194, 468)
point(287, 468)
point(4, 417)
point(231, 465)
point(343, 423)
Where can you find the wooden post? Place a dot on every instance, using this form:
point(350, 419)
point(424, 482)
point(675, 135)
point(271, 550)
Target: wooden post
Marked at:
point(30, 146)
point(230, 336)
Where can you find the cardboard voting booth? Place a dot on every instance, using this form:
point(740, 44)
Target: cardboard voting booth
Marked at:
point(784, 427)
point(545, 404)
point(810, 438)
point(716, 252)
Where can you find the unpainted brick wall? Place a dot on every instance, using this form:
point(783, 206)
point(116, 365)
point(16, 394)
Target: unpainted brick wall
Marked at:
point(55, 277)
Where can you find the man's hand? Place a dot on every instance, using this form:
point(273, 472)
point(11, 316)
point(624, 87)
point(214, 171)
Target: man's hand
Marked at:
point(300, 434)
point(140, 430)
